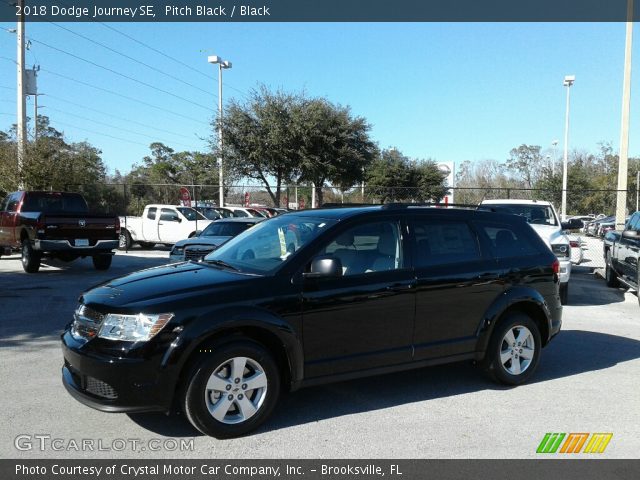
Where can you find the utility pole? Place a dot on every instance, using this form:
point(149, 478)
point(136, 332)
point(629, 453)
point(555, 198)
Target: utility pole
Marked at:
point(623, 164)
point(568, 82)
point(637, 189)
point(21, 100)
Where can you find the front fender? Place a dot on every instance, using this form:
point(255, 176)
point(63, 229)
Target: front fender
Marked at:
point(527, 297)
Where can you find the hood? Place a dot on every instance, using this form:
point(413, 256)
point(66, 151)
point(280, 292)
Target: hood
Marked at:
point(206, 241)
point(550, 234)
point(150, 289)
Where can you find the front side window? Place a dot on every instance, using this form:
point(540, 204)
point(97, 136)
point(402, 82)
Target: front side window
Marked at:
point(367, 248)
point(269, 245)
point(440, 242)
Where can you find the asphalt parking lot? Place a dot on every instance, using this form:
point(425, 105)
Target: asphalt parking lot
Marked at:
point(588, 381)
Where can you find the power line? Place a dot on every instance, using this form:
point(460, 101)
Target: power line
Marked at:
point(210, 77)
point(110, 125)
point(162, 72)
point(101, 134)
point(84, 107)
point(118, 73)
point(118, 94)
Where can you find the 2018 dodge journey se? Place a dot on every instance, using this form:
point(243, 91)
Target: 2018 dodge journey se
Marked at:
point(313, 297)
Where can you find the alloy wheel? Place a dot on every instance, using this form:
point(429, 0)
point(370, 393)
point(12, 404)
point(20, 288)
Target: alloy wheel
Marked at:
point(517, 350)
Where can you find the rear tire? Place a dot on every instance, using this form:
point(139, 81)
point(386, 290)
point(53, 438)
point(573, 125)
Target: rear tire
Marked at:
point(124, 241)
point(30, 258)
point(219, 400)
point(610, 275)
point(514, 350)
point(102, 262)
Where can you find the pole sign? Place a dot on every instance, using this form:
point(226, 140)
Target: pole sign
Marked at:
point(448, 169)
point(185, 197)
point(247, 199)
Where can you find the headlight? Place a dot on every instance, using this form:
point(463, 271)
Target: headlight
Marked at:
point(133, 328)
point(561, 250)
point(177, 251)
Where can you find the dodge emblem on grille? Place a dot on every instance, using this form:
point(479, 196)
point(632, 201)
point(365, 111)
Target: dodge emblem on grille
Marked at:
point(82, 223)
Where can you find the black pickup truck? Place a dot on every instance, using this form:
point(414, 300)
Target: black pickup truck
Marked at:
point(622, 255)
point(57, 225)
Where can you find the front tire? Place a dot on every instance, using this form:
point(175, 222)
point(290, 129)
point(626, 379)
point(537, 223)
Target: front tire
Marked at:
point(514, 350)
point(232, 390)
point(610, 275)
point(102, 262)
point(30, 258)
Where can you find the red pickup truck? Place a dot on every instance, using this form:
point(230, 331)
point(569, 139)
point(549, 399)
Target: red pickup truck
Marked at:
point(56, 225)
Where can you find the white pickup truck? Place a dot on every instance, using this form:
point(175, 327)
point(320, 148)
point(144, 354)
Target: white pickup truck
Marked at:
point(165, 224)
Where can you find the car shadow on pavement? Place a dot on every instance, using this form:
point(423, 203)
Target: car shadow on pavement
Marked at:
point(586, 288)
point(572, 352)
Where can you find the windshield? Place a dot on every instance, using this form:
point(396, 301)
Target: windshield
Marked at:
point(225, 229)
point(190, 213)
point(270, 244)
point(535, 214)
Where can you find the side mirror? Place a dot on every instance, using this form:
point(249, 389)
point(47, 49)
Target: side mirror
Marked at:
point(565, 225)
point(322, 267)
point(630, 234)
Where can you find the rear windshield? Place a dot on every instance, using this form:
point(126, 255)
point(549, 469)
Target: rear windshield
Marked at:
point(54, 203)
point(535, 214)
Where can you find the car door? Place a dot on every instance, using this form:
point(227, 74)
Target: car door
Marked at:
point(456, 283)
point(364, 318)
point(627, 256)
point(169, 230)
point(8, 215)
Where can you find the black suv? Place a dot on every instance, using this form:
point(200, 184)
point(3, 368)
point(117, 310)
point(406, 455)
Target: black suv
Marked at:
point(311, 297)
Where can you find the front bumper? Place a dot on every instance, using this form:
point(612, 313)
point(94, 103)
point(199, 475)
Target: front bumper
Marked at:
point(101, 246)
point(114, 384)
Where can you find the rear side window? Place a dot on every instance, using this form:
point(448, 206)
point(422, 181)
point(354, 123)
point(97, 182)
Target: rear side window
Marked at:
point(440, 242)
point(151, 214)
point(510, 241)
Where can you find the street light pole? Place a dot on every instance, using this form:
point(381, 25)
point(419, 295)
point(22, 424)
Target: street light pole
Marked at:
point(623, 165)
point(214, 59)
point(21, 100)
point(568, 81)
point(555, 157)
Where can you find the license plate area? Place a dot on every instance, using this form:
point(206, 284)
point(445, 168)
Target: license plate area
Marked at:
point(82, 242)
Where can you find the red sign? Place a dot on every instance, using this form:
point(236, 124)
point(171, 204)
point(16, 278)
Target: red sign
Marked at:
point(246, 199)
point(301, 203)
point(185, 197)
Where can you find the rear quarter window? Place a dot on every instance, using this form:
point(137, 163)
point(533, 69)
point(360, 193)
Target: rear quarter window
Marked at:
point(510, 240)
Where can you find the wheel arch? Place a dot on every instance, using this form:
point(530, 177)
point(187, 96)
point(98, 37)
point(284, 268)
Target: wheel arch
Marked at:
point(518, 300)
point(272, 333)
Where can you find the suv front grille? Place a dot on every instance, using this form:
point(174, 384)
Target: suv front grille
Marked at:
point(196, 254)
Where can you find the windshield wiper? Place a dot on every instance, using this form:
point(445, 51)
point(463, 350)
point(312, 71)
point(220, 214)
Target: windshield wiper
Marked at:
point(222, 263)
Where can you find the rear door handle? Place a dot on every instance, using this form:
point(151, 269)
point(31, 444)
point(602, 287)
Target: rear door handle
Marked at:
point(400, 287)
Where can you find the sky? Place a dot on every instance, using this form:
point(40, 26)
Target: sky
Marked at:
point(450, 92)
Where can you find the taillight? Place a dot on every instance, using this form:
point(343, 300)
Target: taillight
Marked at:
point(556, 266)
point(117, 226)
point(574, 244)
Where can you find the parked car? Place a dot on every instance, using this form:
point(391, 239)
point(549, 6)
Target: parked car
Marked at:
point(622, 255)
point(56, 225)
point(224, 212)
point(196, 248)
point(245, 212)
point(592, 229)
point(543, 218)
point(165, 224)
point(210, 213)
point(577, 253)
point(313, 297)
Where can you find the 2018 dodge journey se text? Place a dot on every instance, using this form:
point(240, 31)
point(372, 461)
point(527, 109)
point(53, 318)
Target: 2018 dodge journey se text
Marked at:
point(312, 297)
